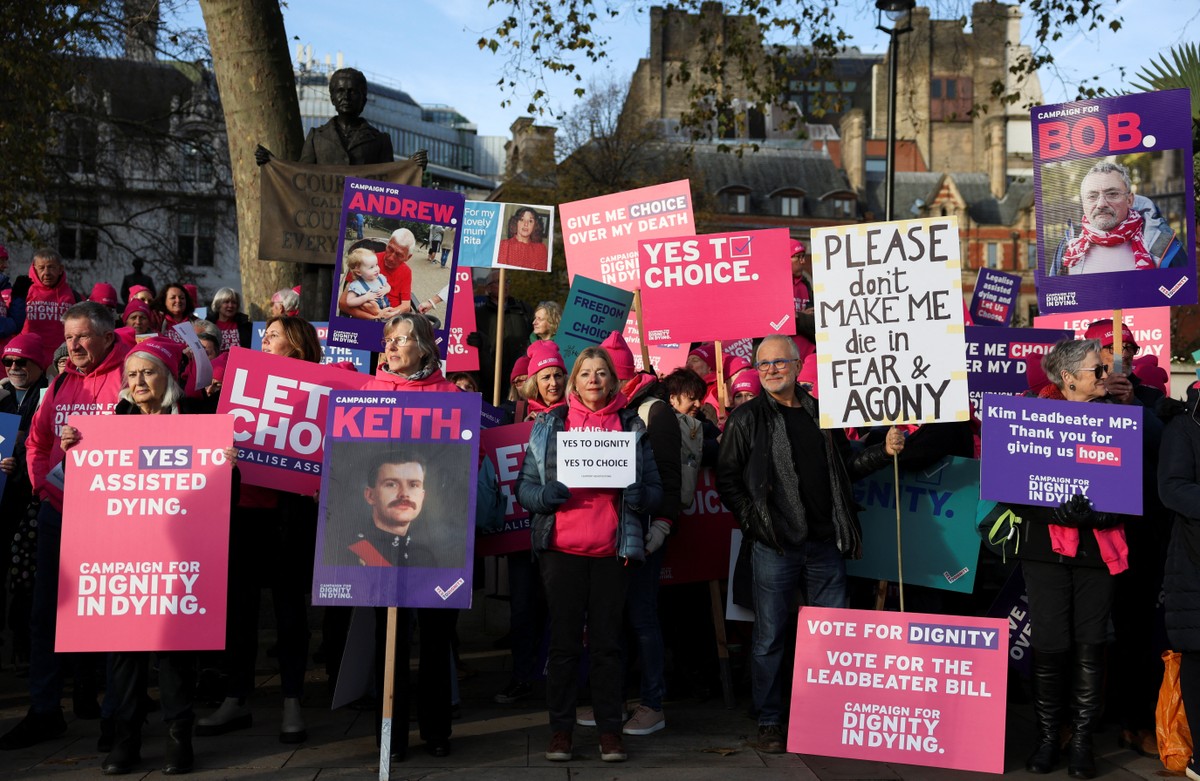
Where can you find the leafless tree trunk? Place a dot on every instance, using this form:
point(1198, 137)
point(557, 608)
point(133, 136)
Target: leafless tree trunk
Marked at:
point(258, 93)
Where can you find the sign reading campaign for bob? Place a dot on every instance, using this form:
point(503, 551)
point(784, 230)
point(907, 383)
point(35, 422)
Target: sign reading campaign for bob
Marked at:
point(600, 240)
point(399, 262)
point(593, 311)
point(995, 297)
point(279, 407)
point(507, 235)
point(746, 277)
point(889, 312)
point(1043, 452)
point(900, 687)
point(145, 545)
point(505, 446)
point(1116, 210)
point(397, 517)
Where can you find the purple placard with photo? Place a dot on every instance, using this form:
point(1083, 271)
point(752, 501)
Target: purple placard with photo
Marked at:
point(1043, 452)
point(397, 517)
point(1115, 194)
point(397, 262)
point(995, 297)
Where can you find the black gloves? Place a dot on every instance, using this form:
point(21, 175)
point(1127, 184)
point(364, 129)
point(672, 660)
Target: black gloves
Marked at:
point(1078, 513)
point(20, 288)
point(556, 493)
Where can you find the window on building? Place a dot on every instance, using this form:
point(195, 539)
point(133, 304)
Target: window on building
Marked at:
point(197, 162)
point(950, 99)
point(735, 200)
point(79, 146)
point(789, 205)
point(993, 255)
point(1031, 255)
point(844, 208)
point(78, 237)
point(196, 238)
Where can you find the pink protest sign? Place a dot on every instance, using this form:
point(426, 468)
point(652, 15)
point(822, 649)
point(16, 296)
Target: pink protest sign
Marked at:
point(900, 687)
point(745, 276)
point(504, 446)
point(699, 545)
point(460, 356)
point(145, 544)
point(1151, 328)
point(279, 407)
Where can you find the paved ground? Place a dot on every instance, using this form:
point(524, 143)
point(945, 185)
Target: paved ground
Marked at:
point(703, 739)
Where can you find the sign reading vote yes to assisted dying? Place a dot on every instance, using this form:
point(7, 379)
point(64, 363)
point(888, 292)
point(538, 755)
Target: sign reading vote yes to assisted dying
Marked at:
point(596, 459)
point(890, 323)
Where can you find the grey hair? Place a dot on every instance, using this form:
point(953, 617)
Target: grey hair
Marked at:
point(404, 237)
point(207, 328)
point(102, 319)
point(288, 299)
point(792, 348)
point(1066, 357)
point(422, 331)
point(171, 396)
point(223, 295)
point(1109, 167)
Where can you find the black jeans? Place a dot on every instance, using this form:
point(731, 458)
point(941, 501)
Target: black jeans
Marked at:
point(579, 589)
point(1068, 604)
point(176, 683)
point(434, 671)
point(527, 614)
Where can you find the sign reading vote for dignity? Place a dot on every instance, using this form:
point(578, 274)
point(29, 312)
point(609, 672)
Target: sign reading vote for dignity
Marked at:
point(900, 687)
point(145, 544)
point(890, 323)
point(746, 277)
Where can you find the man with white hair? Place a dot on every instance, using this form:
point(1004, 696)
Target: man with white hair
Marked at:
point(393, 262)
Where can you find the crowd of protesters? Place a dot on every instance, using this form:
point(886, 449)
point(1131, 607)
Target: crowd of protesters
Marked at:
point(1093, 578)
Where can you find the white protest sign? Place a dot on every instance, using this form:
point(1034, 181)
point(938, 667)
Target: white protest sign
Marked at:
point(889, 309)
point(204, 371)
point(596, 459)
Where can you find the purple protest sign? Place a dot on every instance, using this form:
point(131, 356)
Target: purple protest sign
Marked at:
point(396, 525)
point(1043, 452)
point(1105, 242)
point(995, 297)
point(997, 358)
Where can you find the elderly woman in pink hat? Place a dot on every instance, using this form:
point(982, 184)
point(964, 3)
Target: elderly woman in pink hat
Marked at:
point(151, 388)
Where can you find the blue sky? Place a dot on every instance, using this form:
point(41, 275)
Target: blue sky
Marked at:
point(428, 47)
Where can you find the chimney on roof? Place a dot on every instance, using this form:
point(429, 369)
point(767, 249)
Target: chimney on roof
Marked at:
point(853, 129)
point(996, 151)
point(141, 30)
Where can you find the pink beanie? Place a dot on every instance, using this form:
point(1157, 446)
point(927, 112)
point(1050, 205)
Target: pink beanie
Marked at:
point(706, 352)
point(164, 349)
point(747, 382)
point(103, 293)
point(520, 369)
point(28, 346)
point(735, 364)
point(622, 356)
point(544, 354)
point(136, 305)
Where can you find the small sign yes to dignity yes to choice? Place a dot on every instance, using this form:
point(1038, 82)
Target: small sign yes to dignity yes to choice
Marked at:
point(596, 459)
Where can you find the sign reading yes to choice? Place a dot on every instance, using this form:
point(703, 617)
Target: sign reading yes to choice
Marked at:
point(596, 459)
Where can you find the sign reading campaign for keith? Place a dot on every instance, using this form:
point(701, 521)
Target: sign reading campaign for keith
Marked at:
point(1116, 202)
point(889, 312)
point(1043, 452)
point(745, 276)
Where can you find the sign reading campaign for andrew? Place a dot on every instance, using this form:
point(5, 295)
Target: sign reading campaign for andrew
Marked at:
point(889, 313)
point(1043, 452)
point(1116, 209)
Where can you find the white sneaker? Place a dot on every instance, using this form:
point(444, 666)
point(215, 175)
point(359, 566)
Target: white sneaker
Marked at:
point(234, 714)
point(645, 721)
point(291, 729)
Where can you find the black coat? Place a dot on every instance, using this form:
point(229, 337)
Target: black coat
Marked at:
point(1179, 489)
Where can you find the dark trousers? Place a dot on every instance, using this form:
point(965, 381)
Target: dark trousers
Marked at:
point(1068, 604)
point(579, 589)
point(435, 628)
point(527, 614)
point(1136, 650)
point(176, 684)
point(268, 550)
point(1189, 683)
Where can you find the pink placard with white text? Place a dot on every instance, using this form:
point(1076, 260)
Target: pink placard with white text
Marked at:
point(746, 276)
point(1151, 328)
point(460, 356)
point(145, 543)
point(279, 407)
point(915, 688)
point(504, 446)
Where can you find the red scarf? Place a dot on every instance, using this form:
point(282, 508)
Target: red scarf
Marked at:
point(1130, 230)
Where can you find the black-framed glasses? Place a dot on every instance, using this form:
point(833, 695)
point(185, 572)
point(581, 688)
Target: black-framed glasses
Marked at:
point(779, 364)
point(11, 362)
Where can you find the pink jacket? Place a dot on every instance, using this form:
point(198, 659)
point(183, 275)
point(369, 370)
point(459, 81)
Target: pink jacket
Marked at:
point(1065, 541)
point(94, 393)
point(586, 524)
point(44, 309)
point(386, 381)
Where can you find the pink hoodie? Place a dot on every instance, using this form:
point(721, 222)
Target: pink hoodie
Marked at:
point(386, 381)
point(45, 307)
point(1113, 549)
point(586, 524)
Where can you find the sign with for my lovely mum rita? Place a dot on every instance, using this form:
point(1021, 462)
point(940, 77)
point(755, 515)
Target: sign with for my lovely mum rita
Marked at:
point(1043, 452)
point(889, 314)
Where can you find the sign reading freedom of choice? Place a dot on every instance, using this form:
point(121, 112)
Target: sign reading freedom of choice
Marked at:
point(593, 311)
point(600, 241)
point(889, 315)
point(900, 687)
point(1043, 452)
point(746, 277)
point(145, 547)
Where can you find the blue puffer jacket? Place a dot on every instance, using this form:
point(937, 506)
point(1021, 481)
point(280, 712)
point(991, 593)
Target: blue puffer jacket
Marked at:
point(541, 467)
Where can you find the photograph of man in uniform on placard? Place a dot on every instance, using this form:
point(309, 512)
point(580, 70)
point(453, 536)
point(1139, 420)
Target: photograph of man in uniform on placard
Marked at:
point(1113, 213)
point(393, 504)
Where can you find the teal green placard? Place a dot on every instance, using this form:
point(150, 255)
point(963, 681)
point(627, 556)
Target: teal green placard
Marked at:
point(937, 521)
point(593, 311)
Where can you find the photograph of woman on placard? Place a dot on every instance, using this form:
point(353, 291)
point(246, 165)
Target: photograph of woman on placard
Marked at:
point(528, 238)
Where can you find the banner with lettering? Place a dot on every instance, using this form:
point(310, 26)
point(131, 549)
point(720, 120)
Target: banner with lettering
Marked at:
point(301, 207)
point(592, 312)
point(1043, 452)
point(505, 446)
point(890, 345)
point(744, 276)
point(330, 353)
point(399, 264)
point(940, 545)
point(1151, 328)
point(914, 688)
point(1116, 208)
point(995, 297)
point(397, 519)
point(145, 543)
point(600, 241)
point(278, 405)
point(998, 359)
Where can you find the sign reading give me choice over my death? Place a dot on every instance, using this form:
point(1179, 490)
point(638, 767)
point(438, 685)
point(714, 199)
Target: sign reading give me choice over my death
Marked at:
point(889, 315)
